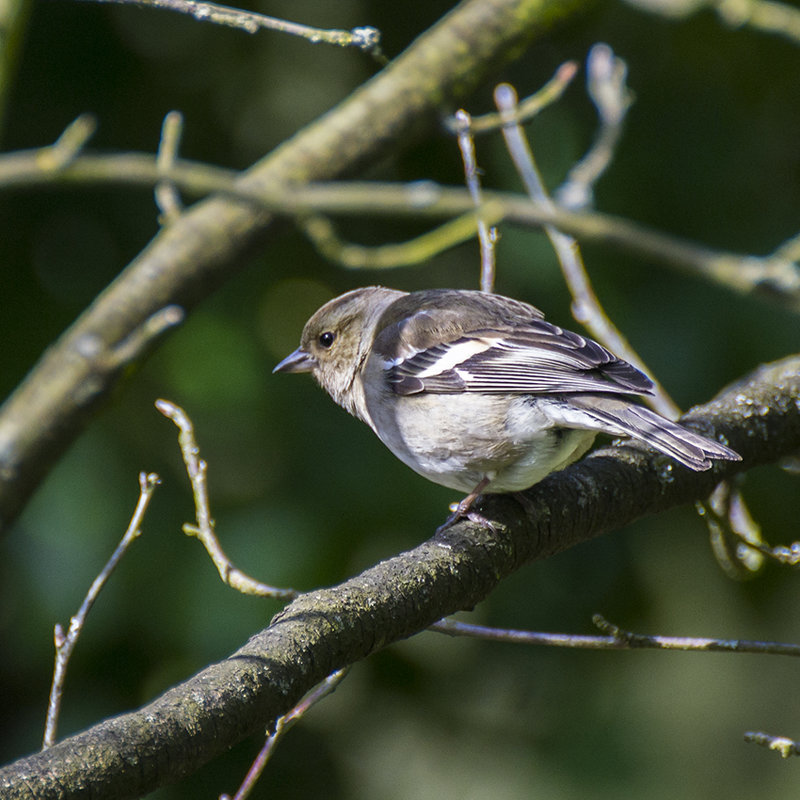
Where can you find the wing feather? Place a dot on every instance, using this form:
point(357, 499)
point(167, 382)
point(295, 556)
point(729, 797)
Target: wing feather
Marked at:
point(535, 358)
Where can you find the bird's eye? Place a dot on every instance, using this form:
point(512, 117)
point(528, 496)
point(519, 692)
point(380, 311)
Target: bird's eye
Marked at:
point(326, 339)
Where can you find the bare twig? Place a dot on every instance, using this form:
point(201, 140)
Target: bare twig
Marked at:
point(141, 338)
point(168, 199)
point(629, 640)
point(486, 236)
point(606, 76)
point(67, 147)
point(364, 38)
point(197, 470)
point(780, 744)
point(281, 727)
point(616, 639)
point(527, 108)
point(65, 642)
point(322, 234)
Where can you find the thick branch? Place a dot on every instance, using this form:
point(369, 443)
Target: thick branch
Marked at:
point(322, 631)
point(187, 260)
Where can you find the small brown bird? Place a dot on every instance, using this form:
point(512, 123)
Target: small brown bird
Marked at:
point(476, 391)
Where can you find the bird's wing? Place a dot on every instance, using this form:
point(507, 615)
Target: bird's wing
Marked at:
point(531, 358)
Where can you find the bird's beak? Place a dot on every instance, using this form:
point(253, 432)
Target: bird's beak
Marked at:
point(299, 361)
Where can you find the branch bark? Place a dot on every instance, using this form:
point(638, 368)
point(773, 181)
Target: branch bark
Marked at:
point(189, 259)
point(129, 755)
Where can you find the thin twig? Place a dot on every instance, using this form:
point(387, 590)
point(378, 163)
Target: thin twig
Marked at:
point(527, 108)
point(197, 470)
point(69, 145)
point(144, 337)
point(168, 199)
point(780, 744)
point(606, 85)
point(282, 726)
point(364, 38)
point(322, 234)
point(616, 639)
point(486, 236)
point(65, 642)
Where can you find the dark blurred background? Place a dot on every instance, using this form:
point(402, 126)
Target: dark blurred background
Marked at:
point(306, 496)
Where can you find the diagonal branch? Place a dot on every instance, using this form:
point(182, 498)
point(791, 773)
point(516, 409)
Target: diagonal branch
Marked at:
point(324, 630)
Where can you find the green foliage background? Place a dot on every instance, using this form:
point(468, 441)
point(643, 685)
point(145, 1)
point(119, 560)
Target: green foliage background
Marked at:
point(305, 496)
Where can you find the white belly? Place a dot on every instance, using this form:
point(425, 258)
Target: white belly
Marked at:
point(461, 446)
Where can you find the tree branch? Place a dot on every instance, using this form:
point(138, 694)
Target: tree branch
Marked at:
point(774, 277)
point(324, 630)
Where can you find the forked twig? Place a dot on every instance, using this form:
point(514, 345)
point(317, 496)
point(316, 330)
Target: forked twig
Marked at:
point(197, 469)
point(65, 642)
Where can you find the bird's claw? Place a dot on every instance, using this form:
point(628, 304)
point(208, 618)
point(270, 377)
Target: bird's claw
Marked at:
point(459, 513)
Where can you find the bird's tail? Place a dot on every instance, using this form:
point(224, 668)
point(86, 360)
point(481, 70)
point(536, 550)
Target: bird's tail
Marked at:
point(638, 422)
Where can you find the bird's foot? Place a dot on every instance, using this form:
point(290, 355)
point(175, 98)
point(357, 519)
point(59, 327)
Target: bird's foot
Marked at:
point(463, 510)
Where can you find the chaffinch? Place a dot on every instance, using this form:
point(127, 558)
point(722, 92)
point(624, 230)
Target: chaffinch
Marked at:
point(476, 391)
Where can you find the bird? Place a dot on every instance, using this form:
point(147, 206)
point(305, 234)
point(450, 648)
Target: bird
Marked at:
point(476, 391)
